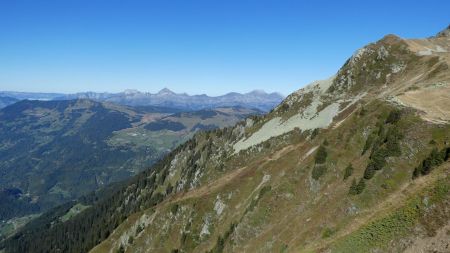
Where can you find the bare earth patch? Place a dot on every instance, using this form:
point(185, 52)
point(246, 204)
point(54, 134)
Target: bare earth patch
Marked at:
point(434, 102)
point(438, 243)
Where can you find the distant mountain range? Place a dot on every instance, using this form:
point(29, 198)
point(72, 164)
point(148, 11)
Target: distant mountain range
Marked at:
point(165, 98)
point(5, 101)
point(359, 162)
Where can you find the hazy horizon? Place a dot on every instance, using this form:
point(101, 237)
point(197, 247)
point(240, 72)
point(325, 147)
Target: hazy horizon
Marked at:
point(146, 92)
point(199, 48)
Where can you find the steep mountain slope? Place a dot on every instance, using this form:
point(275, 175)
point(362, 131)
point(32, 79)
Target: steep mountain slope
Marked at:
point(355, 163)
point(166, 98)
point(5, 101)
point(55, 151)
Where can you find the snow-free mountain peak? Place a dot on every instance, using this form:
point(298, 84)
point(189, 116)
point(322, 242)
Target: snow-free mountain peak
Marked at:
point(444, 33)
point(165, 92)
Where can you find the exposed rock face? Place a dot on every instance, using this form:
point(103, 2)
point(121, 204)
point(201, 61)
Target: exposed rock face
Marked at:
point(330, 169)
point(444, 33)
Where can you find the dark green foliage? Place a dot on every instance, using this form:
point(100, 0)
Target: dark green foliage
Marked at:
point(369, 172)
point(380, 133)
point(378, 158)
point(417, 171)
point(62, 154)
point(385, 144)
point(325, 142)
point(164, 125)
point(169, 189)
point(362, 111)
point(156, 198)
point(352, 190)
point(15, 204)
point(318, 171)
point(393, 138)
point(360, 187)
point(174, 209)
point(57, 151)
point(348, 171)
point(121, 249)
point(220, 244)
point(394, 116)
point(284, 107)
point(109, 207)
point(264, 190)
point(82, 232)
point(369, 142)
point(377, 162)
point(314, 133)
point(357, 188)
point(434, 159)
point(321, 155)
point(328, 232)
point(139, 229)
point(130, 239)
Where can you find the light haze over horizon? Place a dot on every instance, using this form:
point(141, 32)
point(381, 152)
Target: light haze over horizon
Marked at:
point(197, 47)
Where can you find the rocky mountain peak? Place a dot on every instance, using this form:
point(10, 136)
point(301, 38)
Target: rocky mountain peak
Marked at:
point(165, 91)
point(258, 92)
point(444, 33)
point(131, 92)
point(390, 39)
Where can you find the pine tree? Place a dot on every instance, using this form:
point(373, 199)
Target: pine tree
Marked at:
point(369, 172)
point(360, 187)
point(348, 171)
point(352, 190)
point(120, 249)
point(393, 117)
point(357, 188)
point(321, 155)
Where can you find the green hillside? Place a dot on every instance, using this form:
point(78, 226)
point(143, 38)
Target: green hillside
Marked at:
point(355, 163)
point(52, 152)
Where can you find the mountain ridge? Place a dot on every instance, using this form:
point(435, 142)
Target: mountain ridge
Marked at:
point(355, 163)
point(165, 97)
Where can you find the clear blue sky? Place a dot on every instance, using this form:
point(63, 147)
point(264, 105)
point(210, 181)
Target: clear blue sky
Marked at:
point(210, 47)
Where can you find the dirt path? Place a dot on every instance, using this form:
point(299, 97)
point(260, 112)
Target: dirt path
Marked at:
point(227, 178)
point(211, 186)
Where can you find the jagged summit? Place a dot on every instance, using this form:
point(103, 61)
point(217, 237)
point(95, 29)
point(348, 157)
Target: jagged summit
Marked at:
point(131, 92)
point(330, 169)
point(165, 92)
point(166, 98)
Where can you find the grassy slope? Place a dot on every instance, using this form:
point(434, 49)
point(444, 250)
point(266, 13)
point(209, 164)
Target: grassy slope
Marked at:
point(270, 201)
point(298, 213)
point(264, 199)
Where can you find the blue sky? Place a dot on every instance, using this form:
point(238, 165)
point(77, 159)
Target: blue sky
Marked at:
point(210, 47)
